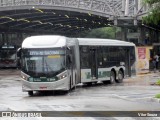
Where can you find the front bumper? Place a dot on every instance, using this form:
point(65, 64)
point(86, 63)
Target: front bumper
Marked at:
point(45, 86)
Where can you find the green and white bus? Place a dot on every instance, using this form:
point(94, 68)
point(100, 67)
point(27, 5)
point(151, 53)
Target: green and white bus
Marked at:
point(106, 60)
point(51, 62)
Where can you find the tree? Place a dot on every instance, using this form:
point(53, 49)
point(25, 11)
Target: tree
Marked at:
point(106, 32)
point(154, 14)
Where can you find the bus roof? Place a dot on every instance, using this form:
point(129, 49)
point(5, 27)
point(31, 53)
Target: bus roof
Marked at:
point(44, 41)
point(103, 42)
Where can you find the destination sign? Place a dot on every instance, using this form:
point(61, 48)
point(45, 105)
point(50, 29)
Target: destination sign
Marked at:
point(47, 52)
point(3, 47)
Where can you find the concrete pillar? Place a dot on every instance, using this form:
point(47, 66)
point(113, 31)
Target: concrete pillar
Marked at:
point(20, 38)
point(124, 34)
point(127, 8)
point(135, 6)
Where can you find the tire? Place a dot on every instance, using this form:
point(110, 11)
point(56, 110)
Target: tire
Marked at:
point(120, 77)
point(30, 93)
point(112, 77)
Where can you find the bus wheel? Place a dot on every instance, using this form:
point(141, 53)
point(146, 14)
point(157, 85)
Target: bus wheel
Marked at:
point(30, 93)
point(120, 77)
point(112, 77)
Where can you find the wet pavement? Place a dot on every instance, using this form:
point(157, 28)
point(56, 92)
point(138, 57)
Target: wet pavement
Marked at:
point(134, 94)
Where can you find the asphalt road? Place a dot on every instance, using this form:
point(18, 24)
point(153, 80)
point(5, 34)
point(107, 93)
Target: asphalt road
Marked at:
point(134, 94)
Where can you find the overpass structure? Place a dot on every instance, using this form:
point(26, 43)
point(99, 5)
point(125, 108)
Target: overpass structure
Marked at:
point(68, 17)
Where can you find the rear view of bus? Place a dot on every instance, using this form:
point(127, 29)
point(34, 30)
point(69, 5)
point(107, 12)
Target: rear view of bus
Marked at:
point(43, 64)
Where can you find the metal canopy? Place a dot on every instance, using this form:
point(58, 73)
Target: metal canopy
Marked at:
point(67, 16)
point(51, 21)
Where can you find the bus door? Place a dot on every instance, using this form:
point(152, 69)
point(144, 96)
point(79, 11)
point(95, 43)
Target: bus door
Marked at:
point(127, 62)
point(93, 63)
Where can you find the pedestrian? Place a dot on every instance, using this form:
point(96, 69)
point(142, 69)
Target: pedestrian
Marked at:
point(156, 57)
point(154, 64)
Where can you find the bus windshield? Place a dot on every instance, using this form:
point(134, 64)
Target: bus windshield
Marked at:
point(47, 62)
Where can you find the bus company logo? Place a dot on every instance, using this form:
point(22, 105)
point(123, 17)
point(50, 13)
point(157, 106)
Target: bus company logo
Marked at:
point(6, 114)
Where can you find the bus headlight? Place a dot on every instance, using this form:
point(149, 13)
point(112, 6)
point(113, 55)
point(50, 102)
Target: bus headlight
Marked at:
point(24, 77)
point(63, 75)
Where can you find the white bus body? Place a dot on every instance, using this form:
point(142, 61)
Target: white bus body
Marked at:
point(51, 62)
point(106, 60)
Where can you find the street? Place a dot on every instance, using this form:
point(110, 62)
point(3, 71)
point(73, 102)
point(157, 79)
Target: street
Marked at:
point(134, 94)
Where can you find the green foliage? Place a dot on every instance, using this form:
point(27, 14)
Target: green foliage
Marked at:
point(158, 82)
point(151, 1)
point(106, 32)
point(154, 14)
point(157, 96)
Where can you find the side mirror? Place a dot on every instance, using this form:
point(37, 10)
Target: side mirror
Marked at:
point(19, 52)
point(69, 59)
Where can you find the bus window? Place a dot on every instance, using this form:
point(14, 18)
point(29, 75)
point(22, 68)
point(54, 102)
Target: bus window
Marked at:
point(121, 53)
point(105, 56)
point(84, 53)
point(113, 53)
point(100, 56)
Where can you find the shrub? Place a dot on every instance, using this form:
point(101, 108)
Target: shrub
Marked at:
point(158, 82)
point(157, 96)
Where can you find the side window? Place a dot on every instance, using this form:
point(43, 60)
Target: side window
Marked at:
point(100, 56)
point(106, 57)
point(84, 57)
point(121, 53)
point(113, 53)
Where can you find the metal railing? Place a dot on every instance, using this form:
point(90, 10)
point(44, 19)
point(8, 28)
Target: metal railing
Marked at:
point(109, 7)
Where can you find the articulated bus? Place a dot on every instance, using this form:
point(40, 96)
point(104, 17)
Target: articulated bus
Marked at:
point(60, 63)
point(8, 56)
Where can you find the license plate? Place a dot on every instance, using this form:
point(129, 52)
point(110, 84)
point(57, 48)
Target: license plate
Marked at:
point(43, 87)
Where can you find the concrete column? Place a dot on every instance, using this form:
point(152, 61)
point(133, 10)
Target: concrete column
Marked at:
point(127, 8)
point(124, 34)
point(20, 38)
point(135, 6)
